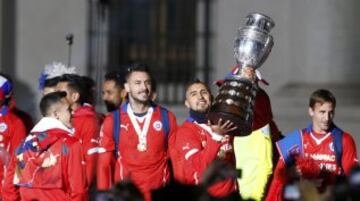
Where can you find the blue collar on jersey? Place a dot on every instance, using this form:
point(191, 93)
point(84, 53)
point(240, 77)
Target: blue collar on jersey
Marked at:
point(199, 117)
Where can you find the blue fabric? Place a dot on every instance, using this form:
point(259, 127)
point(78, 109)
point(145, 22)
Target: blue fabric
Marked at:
point(4, 110)
point(289, 146)
point(165, 123)
point(337, 135)
point(42, 80)
point(25, 146)
point(116, 130)
point(199, 117)
point(190, 119)
point(6, 87)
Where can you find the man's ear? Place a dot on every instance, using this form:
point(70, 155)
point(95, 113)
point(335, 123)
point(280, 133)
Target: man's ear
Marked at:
point(311, 112)
point(187, 104)
point(55, 114)
point(74, 96)
point(126, 87)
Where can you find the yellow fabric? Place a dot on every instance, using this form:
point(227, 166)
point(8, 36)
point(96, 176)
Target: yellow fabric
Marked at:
point(254, 157)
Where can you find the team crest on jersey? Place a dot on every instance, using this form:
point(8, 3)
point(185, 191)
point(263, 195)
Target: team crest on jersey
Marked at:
point(3, 127)
point(157, 125)
point(331, 147)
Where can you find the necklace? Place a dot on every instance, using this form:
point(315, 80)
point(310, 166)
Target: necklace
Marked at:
point(141, 133)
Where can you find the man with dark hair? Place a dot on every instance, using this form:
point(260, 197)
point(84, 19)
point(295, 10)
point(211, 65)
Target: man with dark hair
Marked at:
point(198, 143)
point(51, 74)
point(113, 90)
point(75, 88)
point(319, 152)
point(137, 135)
point(48, 164)
point(90, 88)
point(84, 120)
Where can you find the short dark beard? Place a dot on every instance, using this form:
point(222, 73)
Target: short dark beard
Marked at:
point(138, 101)
point(110, 106)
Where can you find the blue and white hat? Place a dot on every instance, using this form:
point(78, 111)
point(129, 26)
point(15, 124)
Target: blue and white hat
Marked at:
point(5, 88)
point(55, 69)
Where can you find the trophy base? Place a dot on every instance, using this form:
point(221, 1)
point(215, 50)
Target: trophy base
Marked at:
point(244, 128)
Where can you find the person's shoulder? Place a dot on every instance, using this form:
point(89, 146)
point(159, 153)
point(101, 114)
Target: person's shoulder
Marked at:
point(109, 116)
point(11, 115)
point(187, 126)
point(71, 141)
point(347, 136)
point(165, 109)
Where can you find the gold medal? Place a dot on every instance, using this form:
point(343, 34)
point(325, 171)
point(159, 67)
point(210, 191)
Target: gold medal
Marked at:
point(141, 147)
point(141, 133)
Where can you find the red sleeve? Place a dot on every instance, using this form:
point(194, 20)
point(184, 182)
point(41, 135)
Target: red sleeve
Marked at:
point(76, 173)
point(106, 135)
point(277, 184)
point(172, 133)
point(106, 158)
point(349, 157)
point(18, 134)
point(262, 110)
point(10, 192)
point(104, 171)
point(196, 158)
point(90, 132)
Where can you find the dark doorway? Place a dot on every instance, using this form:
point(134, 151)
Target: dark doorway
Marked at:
point(160, 33)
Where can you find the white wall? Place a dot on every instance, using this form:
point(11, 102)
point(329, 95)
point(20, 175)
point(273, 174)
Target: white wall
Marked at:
point(230, 15)
point(41, 26)
point(317, 45)
point(315, 41)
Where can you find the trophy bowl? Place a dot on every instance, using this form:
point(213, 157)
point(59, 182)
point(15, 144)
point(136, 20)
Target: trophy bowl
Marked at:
point(234, 102)
point(236, 97)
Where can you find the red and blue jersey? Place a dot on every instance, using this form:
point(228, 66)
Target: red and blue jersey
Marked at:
point(321, 151)
point(147, 169)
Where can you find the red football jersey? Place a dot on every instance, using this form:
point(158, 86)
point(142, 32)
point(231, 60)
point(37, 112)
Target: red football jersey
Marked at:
point(147, 169)
point(12, 132)
point(321, 150)
point(194, 152)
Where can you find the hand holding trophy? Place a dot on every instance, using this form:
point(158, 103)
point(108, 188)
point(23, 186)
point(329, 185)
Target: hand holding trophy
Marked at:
point(236, 96)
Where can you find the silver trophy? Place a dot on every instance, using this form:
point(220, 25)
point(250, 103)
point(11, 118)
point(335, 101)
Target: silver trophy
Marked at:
point(237, 94)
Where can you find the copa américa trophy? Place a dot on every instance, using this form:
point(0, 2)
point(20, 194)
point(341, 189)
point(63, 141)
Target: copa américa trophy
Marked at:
point(236, 97)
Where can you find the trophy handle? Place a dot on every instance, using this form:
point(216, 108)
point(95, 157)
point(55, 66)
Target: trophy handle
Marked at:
point(269, 43)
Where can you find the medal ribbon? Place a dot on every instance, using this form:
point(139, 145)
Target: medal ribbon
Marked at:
point(141, 133)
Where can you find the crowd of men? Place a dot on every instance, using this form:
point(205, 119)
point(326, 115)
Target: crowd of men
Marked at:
point(136, 151)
